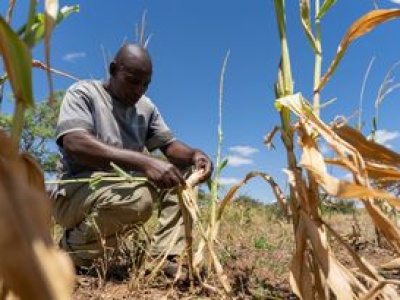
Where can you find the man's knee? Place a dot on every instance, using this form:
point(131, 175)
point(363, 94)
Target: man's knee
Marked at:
point(137, 207)
point(145, 205)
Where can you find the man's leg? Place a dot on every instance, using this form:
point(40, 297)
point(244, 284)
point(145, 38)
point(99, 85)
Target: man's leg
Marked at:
point(170, 235)
point(93, 219)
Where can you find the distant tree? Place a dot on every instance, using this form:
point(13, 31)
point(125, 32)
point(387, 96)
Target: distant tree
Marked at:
point(39, 132)
point(247, 200)
point(329, 204)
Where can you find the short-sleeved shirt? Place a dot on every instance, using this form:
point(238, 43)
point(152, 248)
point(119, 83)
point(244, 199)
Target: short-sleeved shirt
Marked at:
point(89, 107)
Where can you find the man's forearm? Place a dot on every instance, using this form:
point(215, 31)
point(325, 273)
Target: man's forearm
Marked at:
point(89, 151)
point(179, 154)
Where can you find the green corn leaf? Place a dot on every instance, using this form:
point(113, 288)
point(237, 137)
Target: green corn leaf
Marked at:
point(17, 61)
point(34, 33)
point(120, 172)
point(278, 106)
point(280, 16)
point(280, 92)
point(223, 164)
point(325, 7)
point(65, 11)
point(209, 184)
point(305, 17)
point(30, 23)
point(374, 124)
point(287, 82)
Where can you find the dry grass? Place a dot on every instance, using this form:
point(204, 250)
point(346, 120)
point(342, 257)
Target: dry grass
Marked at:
point(255, 248)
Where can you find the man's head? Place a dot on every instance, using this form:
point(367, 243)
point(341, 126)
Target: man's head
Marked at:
point(130, 73)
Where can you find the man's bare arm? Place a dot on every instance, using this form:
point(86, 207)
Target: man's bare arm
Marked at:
point(87, 150)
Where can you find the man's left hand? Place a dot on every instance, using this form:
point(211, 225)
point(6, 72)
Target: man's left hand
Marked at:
point(203, 163)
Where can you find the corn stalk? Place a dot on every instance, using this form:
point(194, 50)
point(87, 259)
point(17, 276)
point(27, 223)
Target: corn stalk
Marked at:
point(315, 272)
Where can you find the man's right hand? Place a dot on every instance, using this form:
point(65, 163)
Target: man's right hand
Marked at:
point(163, 174)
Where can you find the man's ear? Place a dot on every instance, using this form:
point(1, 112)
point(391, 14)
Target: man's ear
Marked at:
point(112, 68)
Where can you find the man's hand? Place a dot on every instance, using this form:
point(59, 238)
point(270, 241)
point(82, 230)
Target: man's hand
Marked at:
point(184, 156)
point(203, 163)
point(163, 174)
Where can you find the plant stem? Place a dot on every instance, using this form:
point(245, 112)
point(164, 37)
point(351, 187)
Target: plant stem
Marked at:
point(18, 124)
point(286, 70)
point(318, 60)
point(214, 186)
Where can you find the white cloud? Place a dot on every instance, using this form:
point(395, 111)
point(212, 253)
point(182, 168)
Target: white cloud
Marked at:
point(72, 57)
point(228, 180)
point(383, 136)
point(395, 1)
point(236, 161)
point(243, 150)
point(348, 177)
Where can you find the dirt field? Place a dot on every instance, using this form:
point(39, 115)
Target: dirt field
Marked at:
point(256, 247)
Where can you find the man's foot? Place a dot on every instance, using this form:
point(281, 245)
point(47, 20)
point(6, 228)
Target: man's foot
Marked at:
point(171, 267)
point(81, 264)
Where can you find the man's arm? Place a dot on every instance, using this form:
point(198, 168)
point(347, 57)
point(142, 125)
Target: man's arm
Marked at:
point(88, 150)
point(182, 155)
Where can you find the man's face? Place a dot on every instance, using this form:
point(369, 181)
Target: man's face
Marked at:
point(130, 81)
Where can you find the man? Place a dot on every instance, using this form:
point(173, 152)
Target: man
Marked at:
point(100, 123)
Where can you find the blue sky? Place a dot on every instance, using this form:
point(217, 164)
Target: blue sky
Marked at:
point(189, 40)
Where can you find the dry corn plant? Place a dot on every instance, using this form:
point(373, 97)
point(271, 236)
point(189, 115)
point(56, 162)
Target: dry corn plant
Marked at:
point(187, 195)
point(208, 233)
point(31, 267)
point(388, 86)
point(315, 272)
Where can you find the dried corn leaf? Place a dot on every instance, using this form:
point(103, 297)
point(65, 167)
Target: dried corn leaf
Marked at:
point(384, 177)
point(344, 189)
point(30, 264)
point(314, 162)
point(190, 211)
point(35, 175)
point(362, 26)
point(365, 267)
point(300, 273)
point(233, 190)
point(379, 290)
point(339, 279)
point(383, 223)
point(38, 64)
point(369, 150)
point(368, 271)
point(393, 264)
point(376, 171)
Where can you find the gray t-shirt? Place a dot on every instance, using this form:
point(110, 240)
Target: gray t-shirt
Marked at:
point(87, 106)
